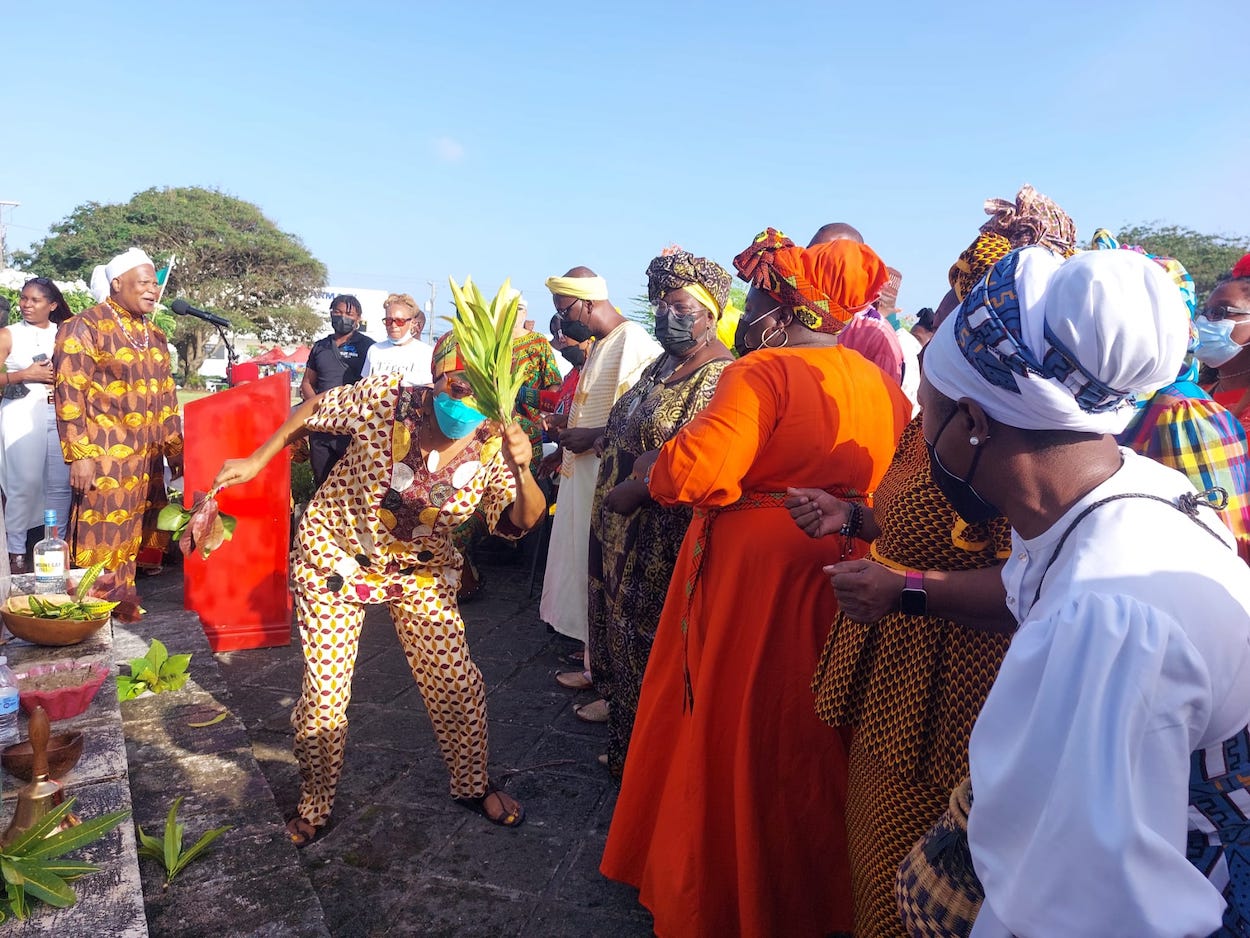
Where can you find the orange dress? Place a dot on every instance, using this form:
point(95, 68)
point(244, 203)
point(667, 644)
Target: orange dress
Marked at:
point(730, 815)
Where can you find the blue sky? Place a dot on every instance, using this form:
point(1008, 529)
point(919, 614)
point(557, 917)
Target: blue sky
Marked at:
point(403, 142)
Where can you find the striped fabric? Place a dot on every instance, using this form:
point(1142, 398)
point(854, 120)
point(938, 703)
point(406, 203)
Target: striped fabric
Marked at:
point(1182, 427)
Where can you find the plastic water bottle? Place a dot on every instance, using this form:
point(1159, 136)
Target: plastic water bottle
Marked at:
point(9, 699)
point(51, 558)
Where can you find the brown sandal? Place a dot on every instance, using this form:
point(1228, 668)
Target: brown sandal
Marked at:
point(504, 818)
point(301, 833)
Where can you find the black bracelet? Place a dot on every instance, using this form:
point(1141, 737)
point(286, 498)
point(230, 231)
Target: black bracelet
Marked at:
point(855, 520)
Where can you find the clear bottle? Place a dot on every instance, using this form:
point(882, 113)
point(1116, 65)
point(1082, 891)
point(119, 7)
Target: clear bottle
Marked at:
point(51, 558)
point(9, 698)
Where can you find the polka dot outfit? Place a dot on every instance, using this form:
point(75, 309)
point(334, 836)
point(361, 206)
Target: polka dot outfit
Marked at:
point(379, 530)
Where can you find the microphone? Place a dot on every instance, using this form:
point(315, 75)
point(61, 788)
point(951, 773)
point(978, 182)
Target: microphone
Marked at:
point(183, 308)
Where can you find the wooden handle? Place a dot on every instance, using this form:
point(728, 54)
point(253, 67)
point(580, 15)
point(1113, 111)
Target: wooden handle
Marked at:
point(39, 729)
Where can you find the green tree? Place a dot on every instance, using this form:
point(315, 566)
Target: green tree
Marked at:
point(231, 260)
point(1206, 257)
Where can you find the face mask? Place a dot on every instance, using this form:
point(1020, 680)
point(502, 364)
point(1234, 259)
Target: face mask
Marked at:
point(574, 355)
point(1215, 341)
point(740, 346)
point(342, 325)
point(959, 492)
point(575, 331)
point(676, 333)
point(456, 418)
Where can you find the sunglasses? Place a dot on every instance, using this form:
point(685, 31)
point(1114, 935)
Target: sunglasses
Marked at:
point(397, 320)
point(1216, 313)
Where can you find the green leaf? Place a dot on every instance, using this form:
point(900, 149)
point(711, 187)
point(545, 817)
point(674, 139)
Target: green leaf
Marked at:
point(13, 889)
point(69, 869)
point(127, 688)
point(197, 848)
point(173, 837)
point(157, 654)
point(80, 835)
point(175, 665)
point(45, 825)
point(149, 846)
point(172, 517)
point(229, 522)
point(174, 682)
point(209, 722)
point(41, 884)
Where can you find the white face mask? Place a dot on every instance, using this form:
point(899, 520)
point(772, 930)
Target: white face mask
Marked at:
point(1216, 346)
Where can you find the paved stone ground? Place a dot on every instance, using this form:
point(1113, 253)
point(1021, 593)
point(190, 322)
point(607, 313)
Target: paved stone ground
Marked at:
point(399, 857)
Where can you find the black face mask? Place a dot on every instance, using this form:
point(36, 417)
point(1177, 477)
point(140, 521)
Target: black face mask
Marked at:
point(342, 325)
point(576, 331)
point(959, 492)
point(574, 355)
point(676, 334)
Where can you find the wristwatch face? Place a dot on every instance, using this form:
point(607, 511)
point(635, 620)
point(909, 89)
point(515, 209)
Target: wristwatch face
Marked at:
point(914, 602)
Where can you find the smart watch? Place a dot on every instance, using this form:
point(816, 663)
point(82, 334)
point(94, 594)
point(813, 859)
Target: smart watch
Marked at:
point(914, 600)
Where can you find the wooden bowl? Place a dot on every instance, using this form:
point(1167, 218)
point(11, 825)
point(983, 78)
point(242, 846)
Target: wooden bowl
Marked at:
point(48, 631)
point(64, 751)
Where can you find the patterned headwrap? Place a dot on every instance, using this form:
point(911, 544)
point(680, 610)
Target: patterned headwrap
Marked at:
point(825, 284)
point(1048, 344)
point(446, 356)
point(976, 260)
point(681, 270)
point(1032, 219)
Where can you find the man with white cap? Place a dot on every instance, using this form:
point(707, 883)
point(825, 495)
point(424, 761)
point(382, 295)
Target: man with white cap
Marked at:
point(117, 414)
point(1109, 763)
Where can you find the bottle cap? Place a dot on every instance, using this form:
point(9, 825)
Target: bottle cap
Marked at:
point(49, 516)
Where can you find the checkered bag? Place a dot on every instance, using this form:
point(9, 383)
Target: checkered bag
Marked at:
point(937, 888)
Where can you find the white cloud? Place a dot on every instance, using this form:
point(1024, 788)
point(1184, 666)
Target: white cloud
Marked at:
point(449, 150)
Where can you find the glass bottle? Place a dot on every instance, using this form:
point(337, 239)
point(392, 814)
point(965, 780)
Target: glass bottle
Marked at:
point(51, 558)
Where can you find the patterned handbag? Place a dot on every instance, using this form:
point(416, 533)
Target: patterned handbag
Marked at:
point(938, 891)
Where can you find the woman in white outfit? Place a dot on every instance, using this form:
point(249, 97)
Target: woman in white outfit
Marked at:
point(34, 474)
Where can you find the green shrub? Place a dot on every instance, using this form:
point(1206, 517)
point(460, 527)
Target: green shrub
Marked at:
point(302, 487)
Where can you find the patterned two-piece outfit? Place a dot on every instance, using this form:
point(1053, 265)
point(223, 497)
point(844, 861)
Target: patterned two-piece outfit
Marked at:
point(380, 531)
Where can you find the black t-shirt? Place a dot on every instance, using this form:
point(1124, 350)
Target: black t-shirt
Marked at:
point(338, 364)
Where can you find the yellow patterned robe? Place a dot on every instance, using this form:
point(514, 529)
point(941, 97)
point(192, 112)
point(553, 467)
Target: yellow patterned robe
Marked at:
point(116, 404)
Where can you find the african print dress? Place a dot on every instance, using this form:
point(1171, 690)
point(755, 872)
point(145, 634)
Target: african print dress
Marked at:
point(911, 686)
point(632, 556)
point(533, 359)
point(116, 404)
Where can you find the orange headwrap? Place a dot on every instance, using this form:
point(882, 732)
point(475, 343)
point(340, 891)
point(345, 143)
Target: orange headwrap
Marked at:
point(825, 284)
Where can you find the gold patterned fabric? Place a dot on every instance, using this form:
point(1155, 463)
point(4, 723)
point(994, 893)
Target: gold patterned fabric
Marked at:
point(911, 686)
point(115, 403)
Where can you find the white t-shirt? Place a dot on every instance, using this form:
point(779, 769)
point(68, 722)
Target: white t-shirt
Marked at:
point(1136, 654)
point(412, 359)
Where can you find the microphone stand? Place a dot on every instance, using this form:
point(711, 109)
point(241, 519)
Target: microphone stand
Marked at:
point(232, 358)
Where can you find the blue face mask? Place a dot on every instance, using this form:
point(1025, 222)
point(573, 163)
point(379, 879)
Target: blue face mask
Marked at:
point(1215, 341)
point(456, 418)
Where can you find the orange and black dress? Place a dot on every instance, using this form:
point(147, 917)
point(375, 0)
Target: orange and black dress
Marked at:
point(730, 815)
point(909, 686)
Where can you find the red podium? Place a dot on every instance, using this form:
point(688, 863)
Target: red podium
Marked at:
point(240, 593)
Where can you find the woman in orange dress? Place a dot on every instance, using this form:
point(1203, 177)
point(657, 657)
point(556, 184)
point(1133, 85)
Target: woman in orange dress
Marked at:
point(730, 816)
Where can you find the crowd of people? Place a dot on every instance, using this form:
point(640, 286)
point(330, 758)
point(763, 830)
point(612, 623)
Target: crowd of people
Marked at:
point(931, 633)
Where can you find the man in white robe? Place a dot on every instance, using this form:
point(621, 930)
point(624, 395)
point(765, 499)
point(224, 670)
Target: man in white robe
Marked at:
point(1109, 763)
point(622, 349)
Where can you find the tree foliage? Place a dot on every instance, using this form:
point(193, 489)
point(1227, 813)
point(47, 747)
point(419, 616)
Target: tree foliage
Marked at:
point(1207, 257)
point(231, 260)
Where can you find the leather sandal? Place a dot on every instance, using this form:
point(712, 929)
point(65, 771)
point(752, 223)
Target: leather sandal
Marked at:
point(594, 712)
point(574, 680)
point(301, 833)
point(504, 818)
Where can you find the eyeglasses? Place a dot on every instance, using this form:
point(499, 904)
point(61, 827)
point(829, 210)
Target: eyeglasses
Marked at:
point(397, 320)
point(667, 309)
point(1216, 313)
point(564, 313)
point(459, 389)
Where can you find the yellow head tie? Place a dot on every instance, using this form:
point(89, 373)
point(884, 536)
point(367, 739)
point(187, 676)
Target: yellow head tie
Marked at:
point(581, 288)
point(705, 299)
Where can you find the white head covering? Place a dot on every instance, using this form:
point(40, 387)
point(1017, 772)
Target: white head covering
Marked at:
point(103, 275)
point(1044, 343)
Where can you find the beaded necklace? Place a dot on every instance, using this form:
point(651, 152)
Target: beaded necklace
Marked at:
point(121, 316)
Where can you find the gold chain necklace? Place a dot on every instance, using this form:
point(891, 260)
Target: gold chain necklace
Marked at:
point(121, 316)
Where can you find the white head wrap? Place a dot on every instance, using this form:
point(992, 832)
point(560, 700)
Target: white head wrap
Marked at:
point(1044, 343)
point(103, 275)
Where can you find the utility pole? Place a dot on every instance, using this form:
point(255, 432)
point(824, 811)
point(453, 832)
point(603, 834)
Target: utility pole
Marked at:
point(4, 248)
point(429, 309)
